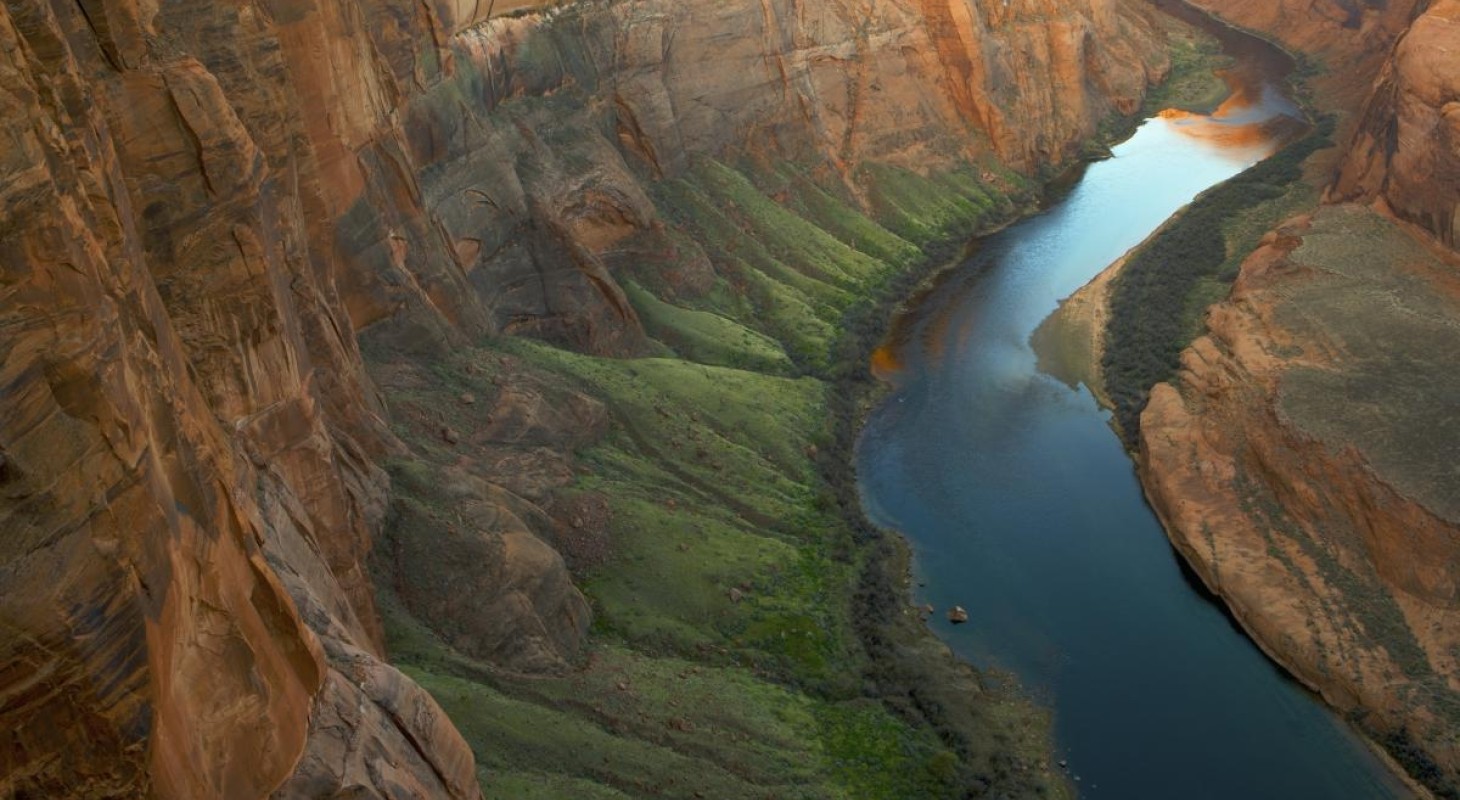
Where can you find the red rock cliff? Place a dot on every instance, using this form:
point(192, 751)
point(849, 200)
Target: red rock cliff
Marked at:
point(187, 491)
point(205, 204)
point(1406, 150)
point(1302, 460)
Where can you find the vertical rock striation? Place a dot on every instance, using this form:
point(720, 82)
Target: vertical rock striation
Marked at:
point(204, 206)
point(188, 490)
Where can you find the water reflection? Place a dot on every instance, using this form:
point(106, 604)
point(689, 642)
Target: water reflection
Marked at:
point(1023, 507)
point(1254, 116)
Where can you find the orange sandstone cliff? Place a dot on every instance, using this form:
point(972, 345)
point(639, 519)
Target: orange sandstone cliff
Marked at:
point(1406, 151)
point(204, 209)
point(1303, 458)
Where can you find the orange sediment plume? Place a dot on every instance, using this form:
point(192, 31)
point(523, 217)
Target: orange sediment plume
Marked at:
point(884, 362)
point(1241, 121)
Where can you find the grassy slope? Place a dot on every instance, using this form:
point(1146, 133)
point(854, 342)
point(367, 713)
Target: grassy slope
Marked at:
point(750, 636)
point(1193, 84)
point(737, 608)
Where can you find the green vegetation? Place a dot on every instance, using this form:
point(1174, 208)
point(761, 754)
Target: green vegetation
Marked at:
point(750, 636)
point(706, 337)
point(1415, 759)
point(794, 304)
point(793, 254)
point(1192, 84)
point(1157, 301)
point(839, 219)
point(725, 661)
point(928, 209)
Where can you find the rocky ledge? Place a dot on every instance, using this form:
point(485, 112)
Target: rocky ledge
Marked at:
point(1302, 462)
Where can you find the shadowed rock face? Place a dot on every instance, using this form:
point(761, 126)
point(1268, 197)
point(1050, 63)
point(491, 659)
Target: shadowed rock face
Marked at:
point(1350, 40)
point(202, 205)
point(187, 495)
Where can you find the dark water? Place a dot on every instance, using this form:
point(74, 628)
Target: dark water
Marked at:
point(1023, 507)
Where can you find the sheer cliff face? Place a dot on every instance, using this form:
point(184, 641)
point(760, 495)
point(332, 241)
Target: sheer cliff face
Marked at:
point(1302, 460)
point(186, 507)
point(204, 204)
point(498, 225)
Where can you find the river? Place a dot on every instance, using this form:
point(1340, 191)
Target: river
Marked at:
point(1022, 506)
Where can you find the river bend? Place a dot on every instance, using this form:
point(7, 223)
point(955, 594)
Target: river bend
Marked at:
point(1022, 506)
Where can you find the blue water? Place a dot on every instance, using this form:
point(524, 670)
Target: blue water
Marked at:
point(1022, 507)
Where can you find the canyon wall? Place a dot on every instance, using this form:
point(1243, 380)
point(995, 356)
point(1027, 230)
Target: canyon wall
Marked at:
point(1302, 458)
point(208, 206)
point(1302, 464)
point(1406, 150)
point(1349, 37)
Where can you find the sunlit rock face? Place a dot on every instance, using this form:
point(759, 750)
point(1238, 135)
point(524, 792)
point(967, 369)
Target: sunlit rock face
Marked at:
point(206, 204)
point(1406, 150)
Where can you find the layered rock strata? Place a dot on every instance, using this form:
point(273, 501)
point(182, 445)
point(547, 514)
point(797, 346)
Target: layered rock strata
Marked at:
point(1353, 36)
point(205, 205)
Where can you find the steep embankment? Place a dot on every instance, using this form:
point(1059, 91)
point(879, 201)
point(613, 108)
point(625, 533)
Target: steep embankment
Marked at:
point(1302, 456)
point(1302, 464)
point(208, 207)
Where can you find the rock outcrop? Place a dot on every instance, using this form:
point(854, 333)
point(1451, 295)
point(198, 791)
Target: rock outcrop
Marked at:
point(1406, 151)
point(1303, 464)
point(1302, 459)
point(204, 208)
point(188, 495)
